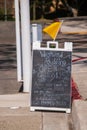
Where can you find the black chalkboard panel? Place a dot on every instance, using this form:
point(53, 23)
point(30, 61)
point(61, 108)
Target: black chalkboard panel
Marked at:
point(51, 79)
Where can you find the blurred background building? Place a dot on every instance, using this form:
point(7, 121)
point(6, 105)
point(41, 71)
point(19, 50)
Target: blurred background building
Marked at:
point(7, 9)
point(48, 9)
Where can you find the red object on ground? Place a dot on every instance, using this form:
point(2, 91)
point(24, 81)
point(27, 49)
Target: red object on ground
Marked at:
point(78, 59)
point(75, 93)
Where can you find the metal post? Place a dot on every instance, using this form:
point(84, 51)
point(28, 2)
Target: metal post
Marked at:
point(34, 33)
point(18, 43)
point(26, 44)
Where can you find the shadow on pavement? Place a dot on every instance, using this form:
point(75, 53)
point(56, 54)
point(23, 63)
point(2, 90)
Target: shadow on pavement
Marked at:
point(7, 56)
point(8, 69)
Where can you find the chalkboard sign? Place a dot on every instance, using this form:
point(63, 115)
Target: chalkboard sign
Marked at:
point(51, 79)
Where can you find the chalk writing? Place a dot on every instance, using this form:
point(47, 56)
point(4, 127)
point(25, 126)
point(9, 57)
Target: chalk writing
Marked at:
point(51, 79)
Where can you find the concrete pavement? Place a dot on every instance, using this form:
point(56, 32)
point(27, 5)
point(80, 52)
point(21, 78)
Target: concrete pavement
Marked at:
point(79, 114)
point(20, 119)
point(14, 100)
point(15, 114)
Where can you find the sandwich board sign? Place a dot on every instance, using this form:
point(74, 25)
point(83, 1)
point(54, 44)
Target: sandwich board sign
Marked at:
point(51, 77)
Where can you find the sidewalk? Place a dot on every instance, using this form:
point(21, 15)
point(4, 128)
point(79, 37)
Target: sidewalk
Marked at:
point(15, 115)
